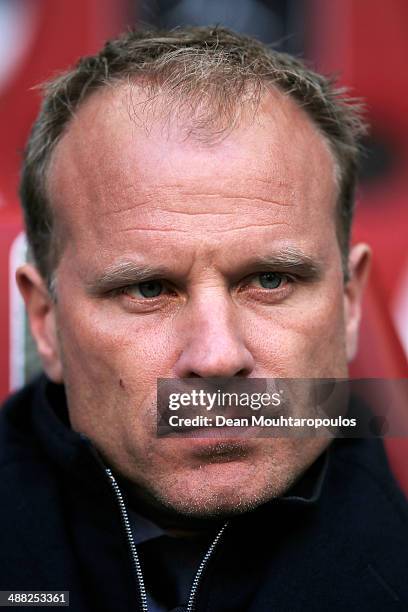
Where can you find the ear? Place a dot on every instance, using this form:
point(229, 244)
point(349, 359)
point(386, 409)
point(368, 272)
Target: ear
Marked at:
point(42, 316)
point(359, 267)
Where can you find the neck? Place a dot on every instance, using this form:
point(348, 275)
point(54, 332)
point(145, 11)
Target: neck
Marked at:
point(168, 519)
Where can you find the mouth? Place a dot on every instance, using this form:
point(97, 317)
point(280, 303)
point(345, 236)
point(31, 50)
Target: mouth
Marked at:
point(205, 450)
point(206, 433)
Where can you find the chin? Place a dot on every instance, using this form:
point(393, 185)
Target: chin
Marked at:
point(215, 497)
point(223, 479)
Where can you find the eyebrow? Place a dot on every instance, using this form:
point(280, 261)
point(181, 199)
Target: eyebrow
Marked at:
point(289, 260)
point(124, 273)
point(286, 260)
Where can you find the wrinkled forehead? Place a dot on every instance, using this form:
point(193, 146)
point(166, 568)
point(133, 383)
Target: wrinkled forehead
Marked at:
point(118, 155)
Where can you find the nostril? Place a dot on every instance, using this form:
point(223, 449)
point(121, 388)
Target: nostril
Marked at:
point(217, 370)
point(243, 372)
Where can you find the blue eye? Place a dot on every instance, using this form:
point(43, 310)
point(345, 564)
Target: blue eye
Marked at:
point(147, 289)
point(270, 280)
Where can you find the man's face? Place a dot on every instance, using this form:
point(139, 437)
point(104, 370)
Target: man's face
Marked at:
point(201, 222)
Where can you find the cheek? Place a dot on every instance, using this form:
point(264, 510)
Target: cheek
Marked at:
point(306, 339)
point(110, 367)
point(104, 346)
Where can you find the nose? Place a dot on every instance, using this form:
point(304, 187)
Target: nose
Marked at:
point(212, 341)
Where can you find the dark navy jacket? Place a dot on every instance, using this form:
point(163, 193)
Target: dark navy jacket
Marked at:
point(61, 529)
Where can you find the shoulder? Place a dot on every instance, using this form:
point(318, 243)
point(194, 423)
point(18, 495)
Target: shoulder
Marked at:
point(33, 538)
point(25, 469)
point(360, 474)
point(17, 438)
point(368, 514)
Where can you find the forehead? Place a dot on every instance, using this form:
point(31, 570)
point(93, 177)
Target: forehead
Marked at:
point(118, 172)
